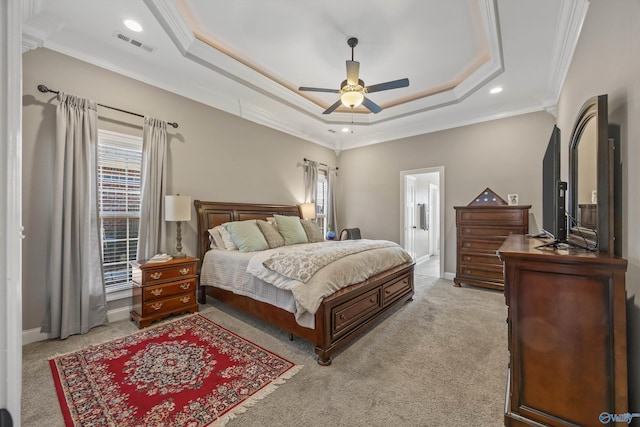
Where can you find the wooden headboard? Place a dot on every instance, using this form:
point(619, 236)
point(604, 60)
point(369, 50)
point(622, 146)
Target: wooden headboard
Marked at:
point(211, 214)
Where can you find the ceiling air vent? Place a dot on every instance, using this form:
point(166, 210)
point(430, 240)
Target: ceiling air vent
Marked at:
point(130, 40)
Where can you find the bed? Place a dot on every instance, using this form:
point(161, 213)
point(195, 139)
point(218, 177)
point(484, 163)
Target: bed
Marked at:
point(340, 318)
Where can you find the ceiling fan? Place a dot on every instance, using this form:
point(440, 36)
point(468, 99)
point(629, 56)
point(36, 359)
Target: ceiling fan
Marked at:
point(353, 89)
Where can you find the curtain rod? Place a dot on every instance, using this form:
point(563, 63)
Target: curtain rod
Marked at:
point(44, 89)
point(323, 164)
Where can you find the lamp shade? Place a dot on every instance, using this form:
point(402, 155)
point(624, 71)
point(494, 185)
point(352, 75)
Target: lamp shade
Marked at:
point(177, 208)
point(308, 210)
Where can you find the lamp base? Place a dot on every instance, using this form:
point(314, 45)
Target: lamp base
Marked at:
point(179, 255)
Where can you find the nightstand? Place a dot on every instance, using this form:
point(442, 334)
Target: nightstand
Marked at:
point(161, 289)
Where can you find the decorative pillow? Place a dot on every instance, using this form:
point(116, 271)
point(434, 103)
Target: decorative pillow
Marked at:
point(246, 235)
point(313, 232)
point(226, 239)
point(271, 234)
point(291, 229)
point(272, 220)
point(216, 239)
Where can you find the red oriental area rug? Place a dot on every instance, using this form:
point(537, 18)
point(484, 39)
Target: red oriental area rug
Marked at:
point(188, 372)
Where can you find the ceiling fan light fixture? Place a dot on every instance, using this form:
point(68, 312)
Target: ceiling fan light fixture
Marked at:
point(352, 99)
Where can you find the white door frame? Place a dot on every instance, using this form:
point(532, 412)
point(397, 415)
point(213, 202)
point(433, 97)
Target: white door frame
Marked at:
point(11, 208)
point(409, 215)
point(440, 171)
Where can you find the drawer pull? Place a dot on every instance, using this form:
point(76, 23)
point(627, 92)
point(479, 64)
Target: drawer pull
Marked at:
point(184, 271)
point(467, 258)
point(373, 300)
point(386, 292)
point(185, 286)
point(156, 275)
point(468, 244)
point(156, 292)
point(342, 317)
point(185, 300)
point(156, 306)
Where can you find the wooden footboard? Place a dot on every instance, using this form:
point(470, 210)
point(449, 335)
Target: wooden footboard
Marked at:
point(341, 317)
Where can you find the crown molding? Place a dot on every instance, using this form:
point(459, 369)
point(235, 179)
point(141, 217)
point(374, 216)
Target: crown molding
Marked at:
point(570, 19)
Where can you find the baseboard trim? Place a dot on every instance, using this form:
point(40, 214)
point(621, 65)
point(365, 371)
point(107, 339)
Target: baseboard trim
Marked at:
point(449, 276)
point(422, 259)
point(30, 336)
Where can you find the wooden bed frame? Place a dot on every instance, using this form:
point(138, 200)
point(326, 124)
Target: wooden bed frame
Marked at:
point(342, 316)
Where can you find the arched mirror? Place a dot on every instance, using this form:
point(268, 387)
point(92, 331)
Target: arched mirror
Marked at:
point(594, 179)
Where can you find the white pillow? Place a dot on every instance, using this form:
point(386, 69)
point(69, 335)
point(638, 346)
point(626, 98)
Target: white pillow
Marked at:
point(216, 239)
point(226, 238)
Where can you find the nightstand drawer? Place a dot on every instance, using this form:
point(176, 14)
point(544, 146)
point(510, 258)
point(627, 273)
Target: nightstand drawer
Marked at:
point(169, 273)
point(169, 304)
point(169, 289)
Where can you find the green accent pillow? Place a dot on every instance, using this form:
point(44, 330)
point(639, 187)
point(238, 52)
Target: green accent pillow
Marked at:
point(291, 229)
point(246, 235)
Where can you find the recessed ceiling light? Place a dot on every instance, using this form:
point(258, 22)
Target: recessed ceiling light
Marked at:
point(495, 90)
point(133, 25)
point(345, 130)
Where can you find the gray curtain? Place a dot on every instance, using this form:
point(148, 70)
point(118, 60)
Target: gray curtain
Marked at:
point(76, 299)
point(152, 232)
point(332, 209)
point(310, 181)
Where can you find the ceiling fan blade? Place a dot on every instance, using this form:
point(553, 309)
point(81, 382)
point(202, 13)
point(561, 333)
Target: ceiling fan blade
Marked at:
point(372, 106)
point(318, 89)
point(395, 84)
point(333, 107)
point(353, 71)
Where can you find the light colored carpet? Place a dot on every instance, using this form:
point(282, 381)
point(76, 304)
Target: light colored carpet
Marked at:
point(439, 360)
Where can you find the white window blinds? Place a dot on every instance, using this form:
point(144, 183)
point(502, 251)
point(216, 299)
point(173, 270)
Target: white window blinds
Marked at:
point(119, 164)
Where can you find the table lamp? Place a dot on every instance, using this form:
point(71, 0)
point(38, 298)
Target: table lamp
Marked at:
point(177, 208)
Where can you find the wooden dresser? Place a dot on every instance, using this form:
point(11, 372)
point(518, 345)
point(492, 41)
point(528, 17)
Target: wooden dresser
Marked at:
point(482, 227)
point(567, 335)
point(163, 288)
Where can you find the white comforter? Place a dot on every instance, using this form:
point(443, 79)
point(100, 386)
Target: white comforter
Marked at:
point(345, 271)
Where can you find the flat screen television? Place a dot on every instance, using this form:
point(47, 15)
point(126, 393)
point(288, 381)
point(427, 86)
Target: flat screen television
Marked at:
point(554, 190)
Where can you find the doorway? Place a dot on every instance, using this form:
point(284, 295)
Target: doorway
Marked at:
point(420, 222)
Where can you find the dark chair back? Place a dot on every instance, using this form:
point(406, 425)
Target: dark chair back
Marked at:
point(350, 234)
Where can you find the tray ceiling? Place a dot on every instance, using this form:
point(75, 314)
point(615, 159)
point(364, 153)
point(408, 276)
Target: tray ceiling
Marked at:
point(248, 57)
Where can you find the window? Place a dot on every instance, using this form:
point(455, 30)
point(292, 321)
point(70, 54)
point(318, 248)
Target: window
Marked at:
point(119, 164)
point(321, 201)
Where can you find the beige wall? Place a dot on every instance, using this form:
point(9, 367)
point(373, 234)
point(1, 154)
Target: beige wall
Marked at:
point(606, 61)
point(504, 155)
point(212, 155)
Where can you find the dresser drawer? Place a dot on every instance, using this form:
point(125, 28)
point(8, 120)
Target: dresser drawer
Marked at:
point(169, 273)
point(504, 231)
point(172, 304)
point(168, 289)
point(476, 272)
point(489, 244)
point(392, 291)
point(479, 258)
point(350, 312)
point(487, 216)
